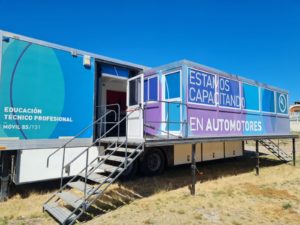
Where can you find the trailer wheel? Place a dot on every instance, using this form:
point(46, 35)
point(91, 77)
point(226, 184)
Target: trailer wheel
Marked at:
point(153, 162)
point(130, 172)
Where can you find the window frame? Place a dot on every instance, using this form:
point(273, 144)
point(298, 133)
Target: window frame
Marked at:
point(259, 97)
point(148, 78)
point(177, 99)
point(129, 91)
point(261, 100)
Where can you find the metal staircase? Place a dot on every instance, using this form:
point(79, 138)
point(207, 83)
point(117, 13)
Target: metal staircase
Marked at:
point(276, 150)
point(74, 198)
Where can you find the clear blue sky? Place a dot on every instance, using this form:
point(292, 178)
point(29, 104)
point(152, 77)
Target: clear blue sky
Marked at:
point(256, 39)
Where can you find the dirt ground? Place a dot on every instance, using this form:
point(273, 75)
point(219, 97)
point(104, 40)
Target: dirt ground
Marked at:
point(227, 192)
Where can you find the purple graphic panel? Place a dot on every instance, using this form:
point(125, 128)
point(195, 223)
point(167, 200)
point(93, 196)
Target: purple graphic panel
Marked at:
point(218, 123)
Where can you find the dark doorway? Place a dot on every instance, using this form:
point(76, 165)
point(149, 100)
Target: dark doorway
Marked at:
point(116, 97)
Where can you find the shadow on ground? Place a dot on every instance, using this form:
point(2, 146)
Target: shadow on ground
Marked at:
point(173, 178)
point(177, 177)
point(180, 176)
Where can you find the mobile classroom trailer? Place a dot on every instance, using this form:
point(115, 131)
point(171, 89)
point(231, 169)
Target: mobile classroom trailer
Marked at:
point(50, 94)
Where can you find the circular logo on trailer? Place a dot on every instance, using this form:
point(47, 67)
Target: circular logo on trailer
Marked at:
point(282, 103)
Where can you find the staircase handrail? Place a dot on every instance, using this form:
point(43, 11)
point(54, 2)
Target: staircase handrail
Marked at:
point(109, 176)
point(119, 112)
point(80, 133)
point(85, 205)
point(279, 153)
point(168, 122)
point(98, 139)
point(74, 177)
point(97, 188)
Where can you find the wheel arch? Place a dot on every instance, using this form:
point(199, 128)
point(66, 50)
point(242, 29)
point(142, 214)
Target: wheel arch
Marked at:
point(167, 152)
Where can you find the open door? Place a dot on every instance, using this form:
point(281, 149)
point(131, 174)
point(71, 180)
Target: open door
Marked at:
point(135, 98)
point(112, 98)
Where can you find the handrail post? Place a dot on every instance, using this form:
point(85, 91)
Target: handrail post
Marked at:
point(144, 119)
point(119, 112)
point(126, 141)
point(187, 123)
point(98, 140)
point(185, 128)
point(294, 152)
point(80, 133)
point(168, 123)
point(100, 131)
point(62, 168)
point(85, 175)
point(193, 167)
point(257, 157)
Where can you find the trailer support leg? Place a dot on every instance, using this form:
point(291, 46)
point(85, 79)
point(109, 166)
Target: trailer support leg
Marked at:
point(243, 147)
point(193, 167)
point(4, 176)
point(294, 152)
point(257, 157)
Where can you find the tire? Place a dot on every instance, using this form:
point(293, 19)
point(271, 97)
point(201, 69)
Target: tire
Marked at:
point(130, 172)
point(153, 162)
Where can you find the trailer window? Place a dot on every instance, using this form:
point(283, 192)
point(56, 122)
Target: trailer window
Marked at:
point(135, 92)
point(267, 100)
point(150, 89)
point(172, 85)
point(250, 97)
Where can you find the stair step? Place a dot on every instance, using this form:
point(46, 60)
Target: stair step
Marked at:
point(274, 149)
point(70, 199)
point(79, 185)
point(114, 158)
point(110, 168)
point(95, 177)
point(129, 150)
point(61, 214)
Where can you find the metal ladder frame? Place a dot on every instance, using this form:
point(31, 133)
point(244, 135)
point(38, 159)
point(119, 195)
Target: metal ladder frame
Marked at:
point(84, 206)
point(275, 150)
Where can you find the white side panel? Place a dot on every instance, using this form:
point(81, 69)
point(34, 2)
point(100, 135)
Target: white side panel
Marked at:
point(233, 148)
point(210, 151)
point(213, 150)
point(32, 163)
point(183, 153)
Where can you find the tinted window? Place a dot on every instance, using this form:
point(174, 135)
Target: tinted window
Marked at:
point(172, 85)
point(134, 92)
point(250, 96)
point(267, 100)
point(153, 89)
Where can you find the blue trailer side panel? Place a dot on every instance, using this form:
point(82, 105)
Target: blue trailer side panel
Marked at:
point(46, 93)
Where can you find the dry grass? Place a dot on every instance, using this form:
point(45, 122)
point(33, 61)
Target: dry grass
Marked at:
point(227, 192)
point(271, 198)
point(18, 210)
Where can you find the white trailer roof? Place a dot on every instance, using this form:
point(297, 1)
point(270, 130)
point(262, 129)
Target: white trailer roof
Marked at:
point(99, 58)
